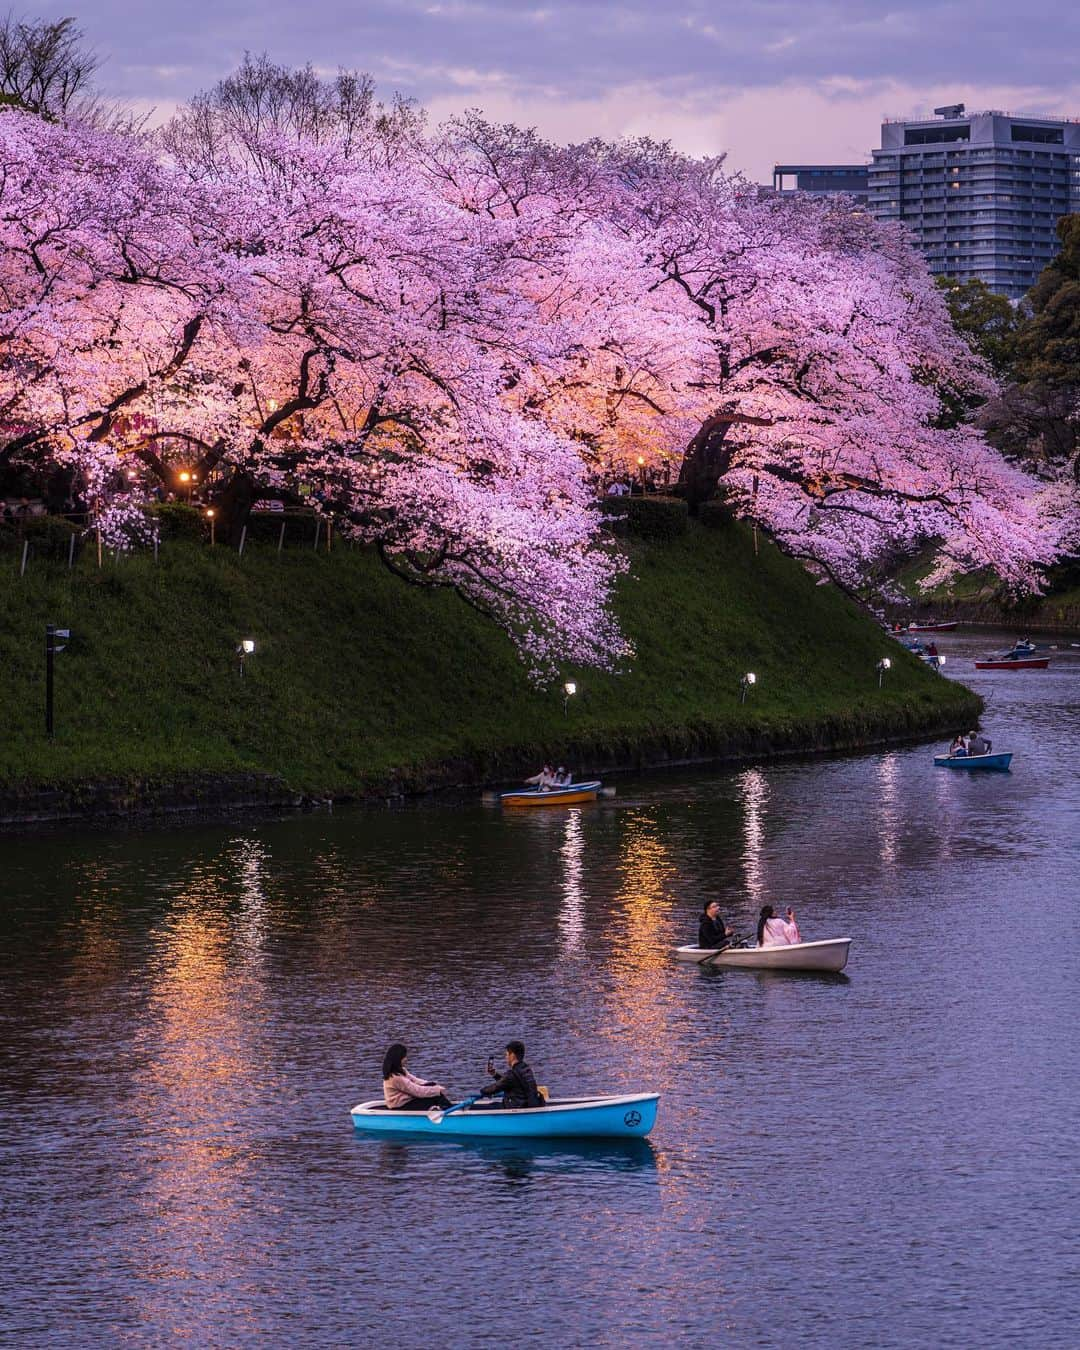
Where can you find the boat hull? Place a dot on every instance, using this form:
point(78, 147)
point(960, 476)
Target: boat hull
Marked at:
point(973, 761)
point(829, 954)
point(627, 1117)
point(933, 627)
point(567, 796)
point(1025, 663)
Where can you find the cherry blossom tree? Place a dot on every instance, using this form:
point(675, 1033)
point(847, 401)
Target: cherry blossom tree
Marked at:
point(793, 353)
point(441, 337)
point(325, 325)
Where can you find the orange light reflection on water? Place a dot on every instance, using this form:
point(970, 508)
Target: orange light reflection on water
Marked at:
point(201, 1052)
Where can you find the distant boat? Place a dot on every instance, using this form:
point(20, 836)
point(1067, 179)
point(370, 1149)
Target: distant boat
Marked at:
point(1013, 663)
point(973, 761)
point(626, 1117)
point(568, 795)
point(829, 954)
point(933, 627)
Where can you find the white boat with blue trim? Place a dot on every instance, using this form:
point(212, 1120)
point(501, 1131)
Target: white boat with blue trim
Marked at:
point(626, 1117)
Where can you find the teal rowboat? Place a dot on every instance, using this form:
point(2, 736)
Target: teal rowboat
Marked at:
point(626, 1117)
point(973, 761)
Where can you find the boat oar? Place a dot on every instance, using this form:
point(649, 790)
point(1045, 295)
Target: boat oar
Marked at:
point(715, 951)
point(438, 1114)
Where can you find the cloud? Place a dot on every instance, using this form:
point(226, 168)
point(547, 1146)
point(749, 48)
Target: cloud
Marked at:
point(770, 79)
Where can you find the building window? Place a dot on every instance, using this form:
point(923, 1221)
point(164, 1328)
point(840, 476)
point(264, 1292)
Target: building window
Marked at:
point(935, 135)
point(1042, 135)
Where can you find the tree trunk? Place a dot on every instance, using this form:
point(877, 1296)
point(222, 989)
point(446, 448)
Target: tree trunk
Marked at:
point(708, 457)
point(233, 505)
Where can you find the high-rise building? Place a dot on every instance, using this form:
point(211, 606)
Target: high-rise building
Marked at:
point(980, 193)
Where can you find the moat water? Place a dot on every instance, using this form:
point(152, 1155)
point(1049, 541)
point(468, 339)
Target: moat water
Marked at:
point(885, 1157)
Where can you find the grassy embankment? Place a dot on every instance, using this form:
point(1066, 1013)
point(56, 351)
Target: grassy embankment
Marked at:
point(362, 683)
point(979, 598)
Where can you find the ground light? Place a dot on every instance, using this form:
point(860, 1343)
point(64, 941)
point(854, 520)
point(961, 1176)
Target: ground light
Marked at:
point(245, 647)
point(882, 666)
point(52, 647)
point(569, 690)
point(745, 683)
point(210, 518)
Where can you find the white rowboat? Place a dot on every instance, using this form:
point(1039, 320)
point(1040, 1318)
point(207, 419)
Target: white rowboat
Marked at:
point(831, 954)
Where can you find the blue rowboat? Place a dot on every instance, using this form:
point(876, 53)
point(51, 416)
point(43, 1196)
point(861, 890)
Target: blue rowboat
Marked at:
point(973, 761)
point(627, 1117)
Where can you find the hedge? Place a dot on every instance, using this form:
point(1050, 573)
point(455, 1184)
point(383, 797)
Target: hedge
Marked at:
point(655, 518)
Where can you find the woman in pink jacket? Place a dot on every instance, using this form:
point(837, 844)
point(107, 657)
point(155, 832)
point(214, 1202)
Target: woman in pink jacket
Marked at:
point(403, 1092)
point(774, 932)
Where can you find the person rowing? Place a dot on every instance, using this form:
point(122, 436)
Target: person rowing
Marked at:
point(517, 1084)
point(713, 932)
point(774, 932)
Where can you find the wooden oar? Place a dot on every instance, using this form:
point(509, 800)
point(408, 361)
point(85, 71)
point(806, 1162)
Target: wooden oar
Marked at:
point(438, 1114)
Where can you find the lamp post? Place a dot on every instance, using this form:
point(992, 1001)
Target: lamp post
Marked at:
point(185, 480)
point(244, 648)
point(641, 472)
point(51, 648)
point(210, 518)
point(882, 666)
point(569, 690)
point(745, 684)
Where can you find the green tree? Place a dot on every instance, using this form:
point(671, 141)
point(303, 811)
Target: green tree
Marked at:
point(989, 322)
point(1048, 343)
point(1037, 416)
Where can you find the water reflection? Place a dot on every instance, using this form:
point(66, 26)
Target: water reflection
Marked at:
point(753, 789)
point(572, 909)
point(888, 809)
point(515, 1160)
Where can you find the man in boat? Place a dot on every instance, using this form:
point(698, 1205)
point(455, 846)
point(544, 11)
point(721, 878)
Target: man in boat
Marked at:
point(517, 1084)
point(977, 744)
point(713, 932)
point(562, 778)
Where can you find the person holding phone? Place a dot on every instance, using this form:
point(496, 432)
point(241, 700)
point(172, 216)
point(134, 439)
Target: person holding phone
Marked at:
point(517, 1084)
point(774, 932)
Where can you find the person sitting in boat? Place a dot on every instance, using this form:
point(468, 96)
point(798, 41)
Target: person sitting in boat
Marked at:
point(774, 932)
point(977, 744)
point(931, 649)
point(403, 1092)
point(545, 779)
point(959, 747)
point(517, 1084)
point(562, 777)
point(713, 932)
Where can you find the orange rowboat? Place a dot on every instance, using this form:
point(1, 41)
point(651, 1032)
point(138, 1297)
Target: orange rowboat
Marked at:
point(569, 795)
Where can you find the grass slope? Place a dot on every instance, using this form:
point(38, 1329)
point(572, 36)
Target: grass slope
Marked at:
point(360, 680)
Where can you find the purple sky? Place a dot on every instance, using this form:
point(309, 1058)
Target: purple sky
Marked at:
point(765, 80)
